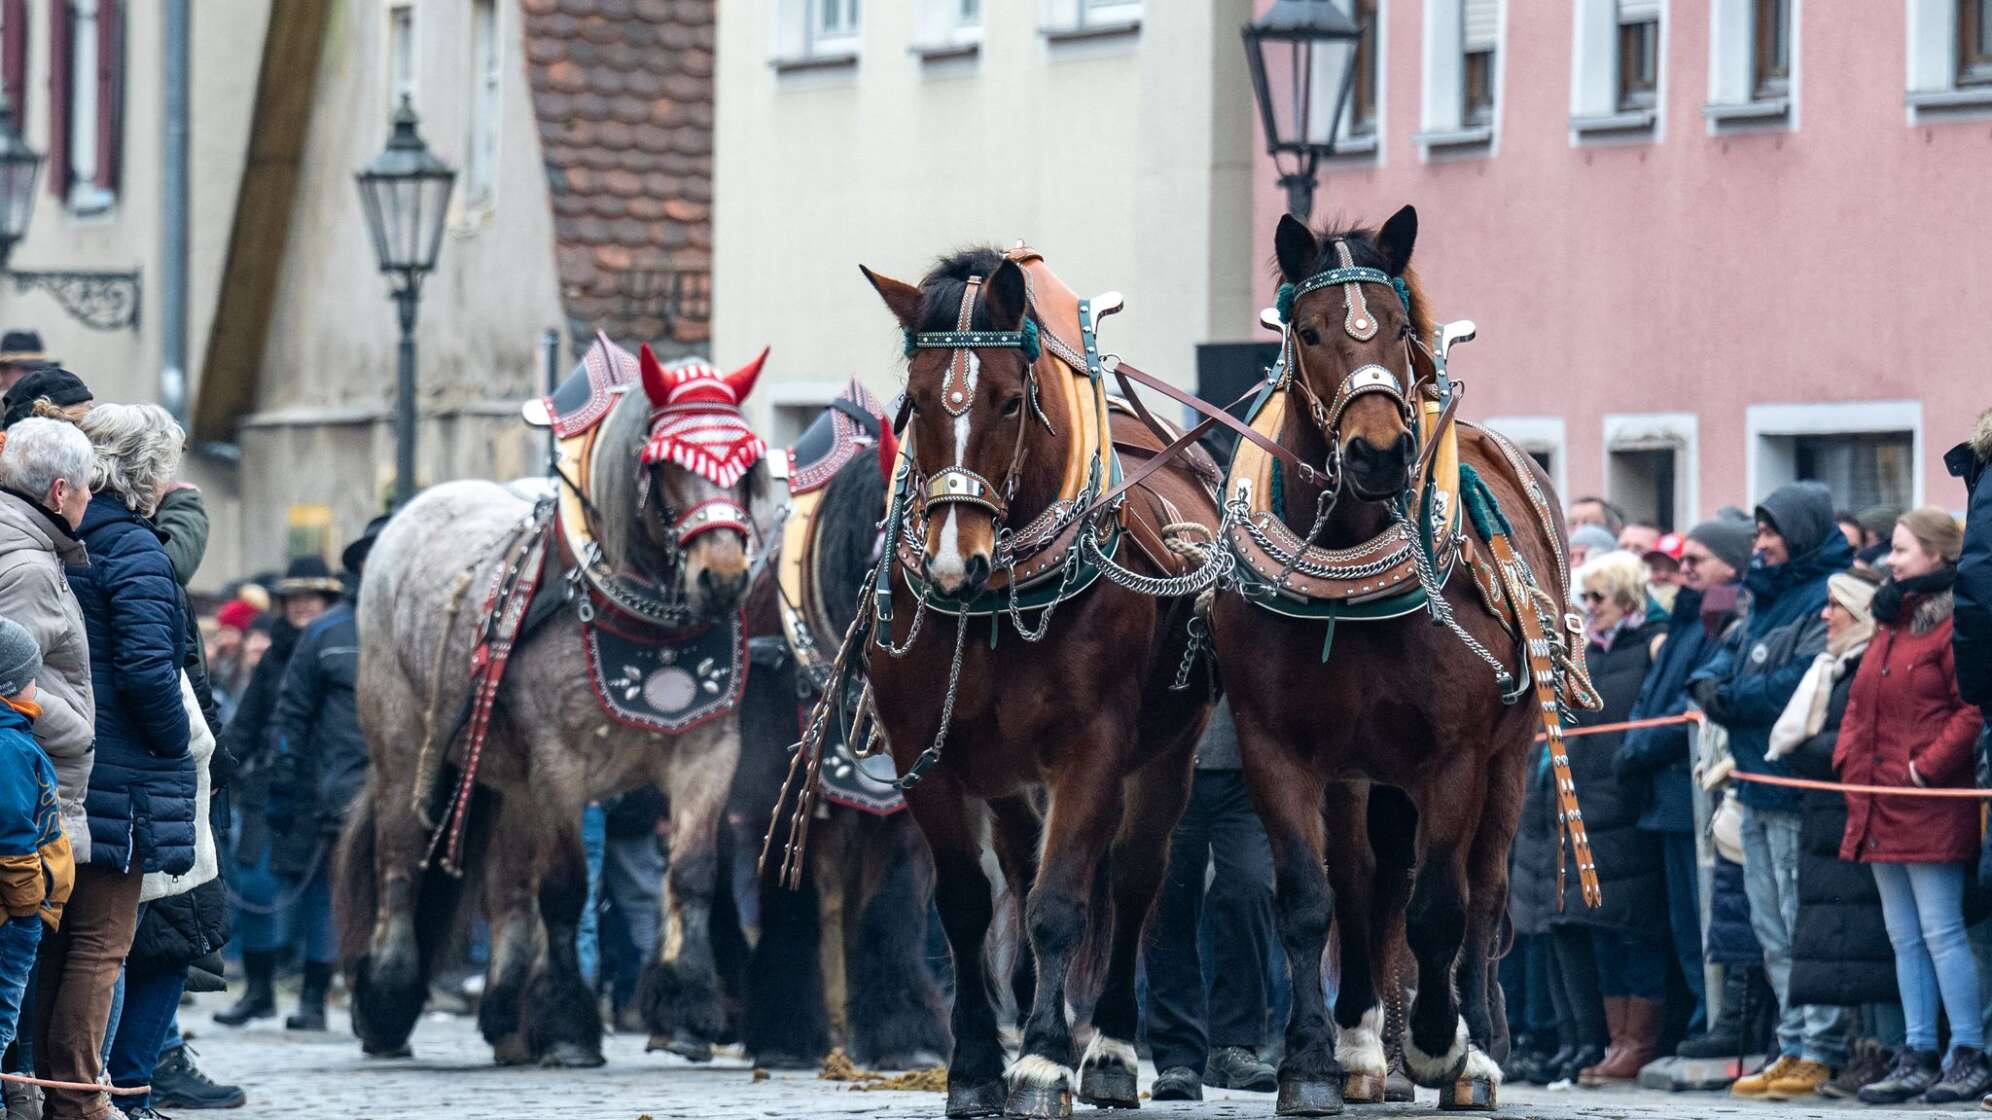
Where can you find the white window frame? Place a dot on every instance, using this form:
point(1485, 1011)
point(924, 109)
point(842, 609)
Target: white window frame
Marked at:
point(484, 133)
point(1932, 93)
point(399, 82)
point(1679, 432)
point(1539, 433)
point(1765, 470)
point(1594, 78)
point(1442, 127)
point(1085, 19)
point(1365, 148)
point(943, 30)
point(801, 42)
point(85, 196)
point(1733, 101)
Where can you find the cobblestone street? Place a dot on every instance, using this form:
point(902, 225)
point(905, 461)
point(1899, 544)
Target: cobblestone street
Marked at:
point(451, 1075)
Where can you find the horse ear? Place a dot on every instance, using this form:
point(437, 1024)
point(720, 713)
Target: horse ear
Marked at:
point(1396, 238)
point(902, 299)
point(1006, 296)
point(741, 380)
point(656, 385)
point(1295, 248)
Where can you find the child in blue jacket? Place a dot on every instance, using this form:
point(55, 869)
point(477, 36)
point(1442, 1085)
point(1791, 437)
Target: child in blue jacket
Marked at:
point(36, 872)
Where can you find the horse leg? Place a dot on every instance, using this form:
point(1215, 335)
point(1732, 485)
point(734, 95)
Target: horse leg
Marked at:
point(1110, 1069)
point(1393, 841)
point(785, 1023)
point(961, 890)
point(413, 914)
point(509, 911)
point(679, 992)
point(1017, 834)
point(564, 1029)
point(1085, 815)
point(1487, 903)
point(1358, 1009)
point(1288, 794)
point(1439, 1051)
point(895, 1007)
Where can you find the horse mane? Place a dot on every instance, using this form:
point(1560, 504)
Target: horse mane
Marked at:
point(846, 535)
point(1363, 250)
point(612, 487)
point(943, 286)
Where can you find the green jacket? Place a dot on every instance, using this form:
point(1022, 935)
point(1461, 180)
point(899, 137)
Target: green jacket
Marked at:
point(183, 518)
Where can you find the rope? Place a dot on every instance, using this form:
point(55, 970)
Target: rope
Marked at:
point(425, 762)
point(77, 1086)
point(283, 902)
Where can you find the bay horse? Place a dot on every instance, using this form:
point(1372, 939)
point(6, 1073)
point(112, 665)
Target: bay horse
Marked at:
point(842, 960)
point(1007, 436)
point(1392, 699)
point(644, 544)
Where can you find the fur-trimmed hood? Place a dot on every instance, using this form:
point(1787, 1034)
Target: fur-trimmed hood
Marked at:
point(1932, 611)
point(1981, 437)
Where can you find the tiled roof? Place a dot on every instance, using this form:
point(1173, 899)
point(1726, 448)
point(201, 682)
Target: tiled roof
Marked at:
point(623, 92)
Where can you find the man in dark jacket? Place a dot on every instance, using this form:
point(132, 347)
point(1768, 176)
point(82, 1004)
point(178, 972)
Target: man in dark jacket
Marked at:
point(321, 762)
point(1971, 635)
point(1713, 557)
point(1745, 688)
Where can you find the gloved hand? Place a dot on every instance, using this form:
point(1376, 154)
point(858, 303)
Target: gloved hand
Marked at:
point(1707, 693)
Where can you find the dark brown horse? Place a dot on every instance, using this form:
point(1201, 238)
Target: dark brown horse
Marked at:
point(1397, 701)
point(1077, 708)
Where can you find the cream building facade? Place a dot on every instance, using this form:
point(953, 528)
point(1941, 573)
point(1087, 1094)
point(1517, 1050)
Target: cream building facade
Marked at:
point(1114, 136)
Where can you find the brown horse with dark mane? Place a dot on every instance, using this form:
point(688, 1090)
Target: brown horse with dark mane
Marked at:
point(1379, 661)
point(1063, 689)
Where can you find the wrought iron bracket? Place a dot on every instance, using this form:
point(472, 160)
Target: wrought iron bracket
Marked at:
point(105, 301)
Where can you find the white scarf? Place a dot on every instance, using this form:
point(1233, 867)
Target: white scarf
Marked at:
point(1806, 714)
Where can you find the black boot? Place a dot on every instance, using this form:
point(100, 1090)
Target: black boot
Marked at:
point(1915, 1071)
point(311, 998)
point(1967, 1077)
point(259, 1000)
point(178, 1083)
point(1724, 1036)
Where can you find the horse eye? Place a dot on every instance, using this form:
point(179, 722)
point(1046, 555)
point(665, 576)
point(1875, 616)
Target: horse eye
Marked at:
point(1310, 336)
point(1013, 406)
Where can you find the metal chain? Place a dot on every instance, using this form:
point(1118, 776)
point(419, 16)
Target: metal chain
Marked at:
point(1440, 608)
point(1067, 576)
point(932, 754)
point(1188, 664)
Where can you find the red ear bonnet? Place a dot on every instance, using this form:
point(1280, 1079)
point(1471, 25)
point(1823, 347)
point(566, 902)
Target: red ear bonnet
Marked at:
point(741, 380)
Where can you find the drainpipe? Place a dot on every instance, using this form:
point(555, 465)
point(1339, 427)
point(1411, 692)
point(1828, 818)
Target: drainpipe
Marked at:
point(550, 364)
point(173, 215)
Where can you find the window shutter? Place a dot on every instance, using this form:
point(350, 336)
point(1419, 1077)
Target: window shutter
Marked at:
point(14, 59)
point(59, 88)
point(110, 91)
point(1638, 11)
point(1481, 21)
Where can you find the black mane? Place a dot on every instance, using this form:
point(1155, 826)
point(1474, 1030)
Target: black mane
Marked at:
point(941, 289)
point(1363, 251)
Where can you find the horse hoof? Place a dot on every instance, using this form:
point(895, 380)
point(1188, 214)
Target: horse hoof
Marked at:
point(571, 1055)
point(685, 1046)
point(985, 1099)
point(1039, 1102)
point(1362, 1088)
point(1309, 1097)
point(1468, 1094)
point(1108, 1087)
point(511, 1050)
point(786, 1061)
point(385, 1051)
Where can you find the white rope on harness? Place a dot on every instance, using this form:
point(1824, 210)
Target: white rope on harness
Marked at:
point(425, 761)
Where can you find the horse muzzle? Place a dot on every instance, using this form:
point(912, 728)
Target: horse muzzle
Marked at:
point(958, 577)
point(1378, 473)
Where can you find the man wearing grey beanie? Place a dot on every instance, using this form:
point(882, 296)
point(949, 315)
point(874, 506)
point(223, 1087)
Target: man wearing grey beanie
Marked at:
point(1729, 538)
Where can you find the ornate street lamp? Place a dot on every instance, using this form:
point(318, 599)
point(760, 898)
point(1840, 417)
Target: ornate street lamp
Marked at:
point(405, 192)
point(1302, 54)
point(103, 300)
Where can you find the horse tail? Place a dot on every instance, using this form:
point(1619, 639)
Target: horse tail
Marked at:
point(356, 897)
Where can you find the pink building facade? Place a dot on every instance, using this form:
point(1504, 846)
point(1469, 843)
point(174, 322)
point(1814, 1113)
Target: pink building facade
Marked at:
point(1711, 245)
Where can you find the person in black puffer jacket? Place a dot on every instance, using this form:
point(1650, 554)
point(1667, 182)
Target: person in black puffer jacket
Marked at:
point(1630, 947)
point(142, 789)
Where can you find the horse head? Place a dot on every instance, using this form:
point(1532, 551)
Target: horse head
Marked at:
point(1355, 323)
point(975, 417)
point(694, 479)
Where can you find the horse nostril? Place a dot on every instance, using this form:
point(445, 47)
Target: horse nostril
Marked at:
point(977, 571)
point(1406, 448)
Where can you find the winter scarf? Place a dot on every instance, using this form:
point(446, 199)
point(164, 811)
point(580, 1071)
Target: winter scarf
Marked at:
point(1889, 600)
point(1805, 715)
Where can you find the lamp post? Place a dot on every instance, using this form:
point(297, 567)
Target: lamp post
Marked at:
point(102, 300)
point(405, 192)
point(1302, 54)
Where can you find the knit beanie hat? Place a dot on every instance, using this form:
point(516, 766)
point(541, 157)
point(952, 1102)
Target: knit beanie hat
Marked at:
point(1730, 538)
point(1593, 539)
point(1853, 593)
point(20, 658)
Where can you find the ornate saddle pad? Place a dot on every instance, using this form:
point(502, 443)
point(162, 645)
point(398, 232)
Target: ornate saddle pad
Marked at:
point(1376, 579)
point(850, 423)
point(589, 391)
point(661, 681)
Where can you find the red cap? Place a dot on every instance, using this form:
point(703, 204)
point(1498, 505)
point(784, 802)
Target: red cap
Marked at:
point(1668, 546)
point(237, 614)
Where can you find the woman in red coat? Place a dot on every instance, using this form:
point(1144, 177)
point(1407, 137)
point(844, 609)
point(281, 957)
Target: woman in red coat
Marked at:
point(1906, 725)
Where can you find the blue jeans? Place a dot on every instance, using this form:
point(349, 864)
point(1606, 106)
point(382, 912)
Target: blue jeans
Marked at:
point(1684, 918)
point(588, 938)
point(261, 926)
point(311, 916)
point(152, 999)
point(19, 938)
point(1923, 904)
point(1813, 1032)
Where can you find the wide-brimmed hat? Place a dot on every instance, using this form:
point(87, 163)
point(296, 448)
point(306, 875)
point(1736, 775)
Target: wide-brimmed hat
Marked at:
point(308, 575)
point(20, 348)
point(354, 557)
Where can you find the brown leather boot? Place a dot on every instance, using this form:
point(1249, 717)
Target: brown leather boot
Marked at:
point(1615, 1030)
point(1636, 1042)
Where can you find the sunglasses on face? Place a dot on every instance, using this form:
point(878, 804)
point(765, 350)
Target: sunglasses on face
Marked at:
point(1594, 597)
point(1690, 560)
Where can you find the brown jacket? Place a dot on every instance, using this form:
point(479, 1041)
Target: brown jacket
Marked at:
point(34, 591)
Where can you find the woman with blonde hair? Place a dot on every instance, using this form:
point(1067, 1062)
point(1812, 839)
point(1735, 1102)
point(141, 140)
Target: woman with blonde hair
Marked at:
point(1906, 725)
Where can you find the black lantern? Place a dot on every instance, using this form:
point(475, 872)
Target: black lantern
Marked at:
point(103, 300)
point(1302, 54)
point(406, 194)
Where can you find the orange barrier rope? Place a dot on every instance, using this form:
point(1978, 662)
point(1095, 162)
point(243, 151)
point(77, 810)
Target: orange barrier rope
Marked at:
point(1774, 779)
point(76, 1086)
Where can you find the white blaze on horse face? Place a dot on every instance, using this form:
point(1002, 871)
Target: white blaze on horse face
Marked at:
point(949, 565)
